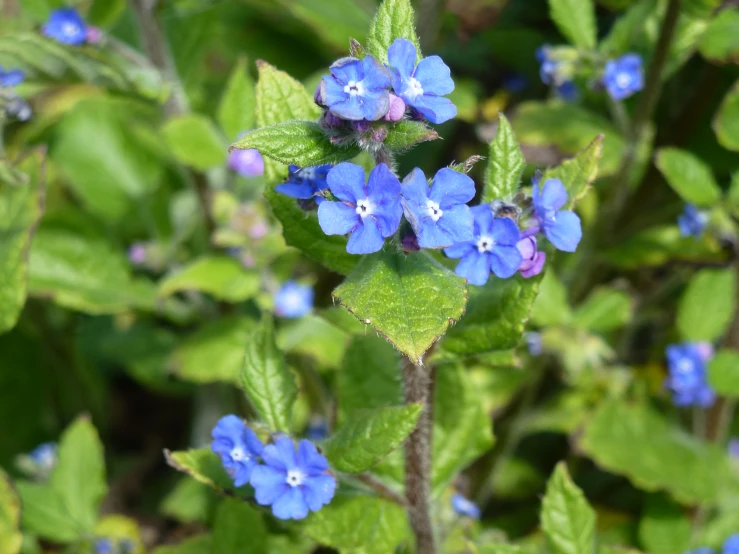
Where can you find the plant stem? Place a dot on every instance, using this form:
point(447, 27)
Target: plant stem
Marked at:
point(418, 382)
point(380, 488)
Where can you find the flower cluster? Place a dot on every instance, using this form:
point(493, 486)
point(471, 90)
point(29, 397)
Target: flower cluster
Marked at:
point(292, 480)
point(686, 363)
point(692, 222)
point(623, 76)
point(65, 25)
point(12, 104)
point(557, 68)
point(294, 300)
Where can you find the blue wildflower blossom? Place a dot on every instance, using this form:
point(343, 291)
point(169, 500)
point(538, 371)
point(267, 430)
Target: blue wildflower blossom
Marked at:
point(356, 89)
point(548, 66)
point(731, 545)
point(465, 507)
point(438, 214)
point(567, 91)
point(103, 546)
point(421, 86)
point(238, 447)
point(247, 163)
point(66, 26)
point(492, 249)
point(561, 227)
point(624, 76)
point(44, 456)
point(686, 363)
point(533, 343)
point(11, 77)
point(293, 480)
point(294, 300)
point(305, 183)
point(692, 222)
point(371, 212)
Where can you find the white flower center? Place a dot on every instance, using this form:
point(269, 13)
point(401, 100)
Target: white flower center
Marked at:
point(70, 29)
point(238, 454)
point(485, 244)
point(433, 209)
point(292, 300)
point(364, 208)
point(295, 477)
point(623, 80)
point(685, 366)
point(309, 173)
point(354, 88)
point(414, 88)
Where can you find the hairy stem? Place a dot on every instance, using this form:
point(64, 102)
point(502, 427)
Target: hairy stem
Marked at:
point(380, 488)
point(418, 383)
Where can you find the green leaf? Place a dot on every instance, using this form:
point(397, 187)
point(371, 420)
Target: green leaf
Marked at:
point(195, 141)
point(639, 443)
point(567, 519)
point(237, 110)
point(192, 545)
point(203, 465)
point(359, 524)
point(269, 384)
point(689, 176)
point(302, 143)
point(104, 13)
point(405, 134)
point(189, 502)
point(575, 19)
point(720, 42)
point(664, 528)
point(723, 372)
point(10, 517)
point(238, 528)
point(410, 300)
point(214, 353)
point(707, 305)
point(701, 8)
point(495, 318)
point(578, 173)
point(604, 310)
point(21, 207)
point(314, 337)
point(394, 19)
point(301, 230)
point(726, 122)
point(505, 166)
point(45, 514)
point(551, 306)
point(627, 28)
point(370, 435)
point(222, 277)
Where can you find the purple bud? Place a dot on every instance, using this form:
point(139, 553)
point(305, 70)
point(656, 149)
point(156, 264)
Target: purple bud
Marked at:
point(533, 260)
point(415, 115)
point(410, 243)
point(332, 121)
point(247, 163)
point(705, 351)
point(137, 253)
point(318, 95)
point(93, 35)
point(361, 126)
point(397, 109)
point(258, 230)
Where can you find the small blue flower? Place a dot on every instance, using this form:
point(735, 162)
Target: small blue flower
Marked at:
point(567, 91)
point(11, 77)
point(548, 67)
point(356, 89)
point(294, 300)
point(533, 343)
point(103, 546)
point(561, 227)
point(438, 214)
point(421, 86)
point(66, 26)
point(44, 456)
point(465, 507)
point(731, 545)
point(493, 248)
point(624, 76)
point(371, 212)
point(305, 183)
point(293, 481)
point(247, 163)
point(238, 447)
point(692, 222)
point(686, 363)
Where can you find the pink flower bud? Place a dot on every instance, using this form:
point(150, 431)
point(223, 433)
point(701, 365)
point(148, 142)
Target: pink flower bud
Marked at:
point(397, 109)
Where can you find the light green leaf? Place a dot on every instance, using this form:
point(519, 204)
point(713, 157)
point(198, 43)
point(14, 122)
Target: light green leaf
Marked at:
point(701, 8)
point(301, 230)
point(578, 173)
point(370, 435)
point(723, 372)
point(203, 465)
point(405, 134)
point(551, 306)
point(21, 207)
point(394, 19)
point(222, 277)
point(575, 19)
point(707, 305)
point(639, 443)
point(689, 176)
point(269, 384)
point(604, 310)
point(45, 514)
point(359, 524)
point(664, 528)
point(720, 42)
point(505, 165)
point(195, 141)
point(314, 337)
point(193, 545)
point(104, 13)
point(10, 517)
point(567, 519)
point(411, 300)
point(501, 548)
point(627, 28)
point(190, 501)
point(237, 110)
point(238, 528)
point(726, 122)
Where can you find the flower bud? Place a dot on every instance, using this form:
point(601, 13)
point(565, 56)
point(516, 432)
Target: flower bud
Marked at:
point(397, 109)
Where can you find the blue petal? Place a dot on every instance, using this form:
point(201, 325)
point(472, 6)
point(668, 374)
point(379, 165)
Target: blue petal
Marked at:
point(402, 57)
point(431, 235)
point(253, 444)
point(11, 78)
point(347, 69)
point(319, 490)
point(229, 427)
point(310, 460)
point(346, 182)
point(505, 260)
point(553, 195)
point(451, 187)
point(350, 108)
point(336, 218)
point(434, 108)
point(483, 217)
point(302, 190)
point(286, 450)
point(269, 484)
point(375, 76)
point(505, 232)
point(474, 267)
point(366, 238)
point(565, 232)
point(457, 222)
point(388, 220)
point(291, 505)
point(374, 104)
point(415, 188)
point(383, 186)
point(434, 76)
point(333, 91)
point(460, 250)
point(244, 470)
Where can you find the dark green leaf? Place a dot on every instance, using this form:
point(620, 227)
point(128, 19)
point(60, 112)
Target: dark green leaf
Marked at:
point(505, 164)
point(720, 42)
point(579, 172)
point(575, 19)
point(10, 517)
point(689, 176)
point(237, 110)
point(726, 123)
point(190, 501)
point(394, 19)
point(238, 528)
point(567, 519)
point(708, 304)
point(222, 277)
point(45, 514)
point(405, 134)
point(664, 528)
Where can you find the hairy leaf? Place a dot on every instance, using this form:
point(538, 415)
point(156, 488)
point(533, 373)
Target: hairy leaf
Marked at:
point(575, 19)
point(578, 173)
point(405, 134)
point(505, 164)
point(689, 176)
point(237, 110)
point(707, 306)
point(567, 519)
point(720, 42)
point(394, 19)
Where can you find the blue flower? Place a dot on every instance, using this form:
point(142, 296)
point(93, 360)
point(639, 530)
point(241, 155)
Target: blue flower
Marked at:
point(493, 248)
point(624, 76)
point(692, 222)
point(317, 429)
point(561, 227)
point(567, 91)
point(533, 343)
point(439, 215)
point(305, 183)
point(356, 89)
point(371, 212)
point(44, 456)
point(294, 300)
point(238, 447)
point(533, 259)
point(421, 86)
point(11, 77)
point(686, 363)
point(66, 26)
point(103, 546)
point(293, 481)
point(731, 545)
point(548, 67)
point(247, 163)
point(465, 507)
